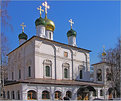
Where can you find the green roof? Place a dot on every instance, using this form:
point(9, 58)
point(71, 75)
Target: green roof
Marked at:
point(71, 33)
point(40, 21)
point(22, 36)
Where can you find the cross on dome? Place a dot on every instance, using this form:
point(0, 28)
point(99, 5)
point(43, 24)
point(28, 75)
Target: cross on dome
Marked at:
point(46, 6)
point(40, 9)
point(23, 26)
point(103, 48)
point(71, 22)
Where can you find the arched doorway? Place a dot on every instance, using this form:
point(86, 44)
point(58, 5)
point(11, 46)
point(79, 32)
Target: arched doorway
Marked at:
point(83, 92)
point(58, 95)
point(31, 95)
point(110, 92)
point(45, 95)
point(69, 94)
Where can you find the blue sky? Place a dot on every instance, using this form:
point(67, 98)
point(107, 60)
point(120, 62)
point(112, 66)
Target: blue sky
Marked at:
point(97, 23)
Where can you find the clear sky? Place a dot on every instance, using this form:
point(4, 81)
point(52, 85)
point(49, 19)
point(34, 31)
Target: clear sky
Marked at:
point(97, 23)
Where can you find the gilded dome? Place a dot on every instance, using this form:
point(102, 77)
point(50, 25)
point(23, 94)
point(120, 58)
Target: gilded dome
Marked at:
point(49, 24)
point(22, 36)
point(40, 21)
point(104, 54)
point(71, 33)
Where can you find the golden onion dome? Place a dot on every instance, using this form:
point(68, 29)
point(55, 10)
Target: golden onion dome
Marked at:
point(104, 54)
point(49, 24)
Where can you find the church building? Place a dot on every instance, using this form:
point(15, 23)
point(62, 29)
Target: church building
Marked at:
point(43, 69)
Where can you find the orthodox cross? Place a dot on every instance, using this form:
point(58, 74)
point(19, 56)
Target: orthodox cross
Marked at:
point(103, 48)
point(23, 26)
point(71, 22)
point(46, 7)
point(41, 10)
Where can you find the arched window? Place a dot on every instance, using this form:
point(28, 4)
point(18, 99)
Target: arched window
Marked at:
point(65, 70)
point(81, 69)
point(57, 95)
point(29, 71)
point(101, 92)
point(108, 74)
point(32, 95)
point(3, 94)
point(12, 95)
point(18, 95)
point(99, 75)
point(80, 74)
point(50, 35)
point(45, 95)
point(8, 95)
point(47, 70)
point(68, 94)
point(65, 73)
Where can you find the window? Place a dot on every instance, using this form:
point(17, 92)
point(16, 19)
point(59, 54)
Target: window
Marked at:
point(32, 95)
point(95, 93)
point(8, 95)
point(12, 95)
point(50, 35)
point(47, 70)
point(3, 94)
point(65, 54)
point(18, 95)
point(12, 76)
point(45, 95)
point(57, 95)
point(101, 92)
point(108, 74)
point(65, 73)
point(65, 70)
point(81, 68)
point(99, 75)
point(19, 74)
point(29, 71)
point(68, 94)
point(80, 74)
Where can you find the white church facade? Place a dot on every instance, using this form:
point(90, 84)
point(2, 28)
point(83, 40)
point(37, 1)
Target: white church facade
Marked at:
point(42, 69)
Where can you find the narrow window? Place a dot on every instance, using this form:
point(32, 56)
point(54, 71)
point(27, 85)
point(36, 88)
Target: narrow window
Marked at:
point(65, 73)
point(3, 94)
point(19, 74)
point(99, 75)
point(18, 95)
point(8, 95)
point(50, 35)
point(65, 54)
point(29, 71)
point(101, 92)
point(80, 74)
point(12, 95)
point(47, 70)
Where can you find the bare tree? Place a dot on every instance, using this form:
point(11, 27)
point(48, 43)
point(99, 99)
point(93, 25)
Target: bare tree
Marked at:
point(4, 47)
point(113, 59)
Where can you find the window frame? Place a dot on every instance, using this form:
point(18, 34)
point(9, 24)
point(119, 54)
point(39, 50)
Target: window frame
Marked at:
point(45, 93)
point(29, 72)
point(97, 75)
point(81, 68)
point(66, 66)
point(45, 64)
